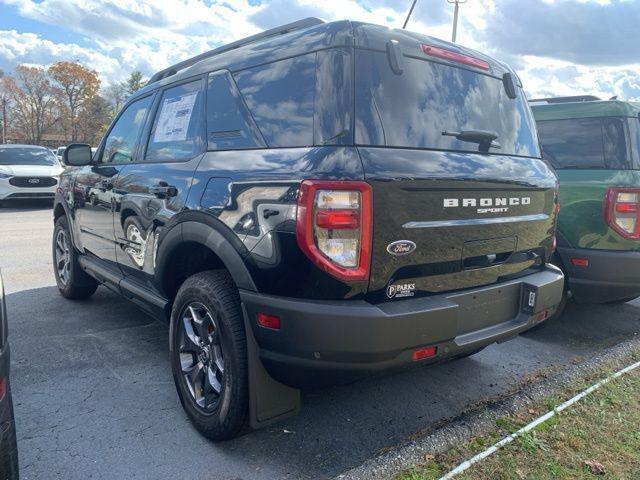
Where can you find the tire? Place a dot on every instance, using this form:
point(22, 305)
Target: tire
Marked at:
point(207, 309)
point(72, 281)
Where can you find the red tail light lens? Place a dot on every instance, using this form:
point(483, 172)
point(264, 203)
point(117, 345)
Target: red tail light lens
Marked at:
point(268, 321)
point(454, 57)
point(622, 211)
point(422, 353)
point(334, 226)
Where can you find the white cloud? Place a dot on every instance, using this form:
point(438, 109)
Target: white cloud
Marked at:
point(552, 53)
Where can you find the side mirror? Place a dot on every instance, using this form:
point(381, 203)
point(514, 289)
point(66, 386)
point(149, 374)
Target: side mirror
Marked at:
point(77, 155)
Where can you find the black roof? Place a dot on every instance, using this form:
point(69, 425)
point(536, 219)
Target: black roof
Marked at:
point(305, 36)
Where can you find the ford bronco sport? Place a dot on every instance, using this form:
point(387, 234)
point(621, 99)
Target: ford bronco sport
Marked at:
point(313, 204)
point(595, 148)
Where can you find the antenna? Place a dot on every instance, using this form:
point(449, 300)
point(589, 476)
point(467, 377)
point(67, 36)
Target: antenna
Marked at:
point(409, 15)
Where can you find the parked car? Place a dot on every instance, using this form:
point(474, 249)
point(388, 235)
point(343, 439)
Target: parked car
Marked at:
point(59, 152)
point(27, 172)
point(8, 447)
point(594, 146)
point(313, 204)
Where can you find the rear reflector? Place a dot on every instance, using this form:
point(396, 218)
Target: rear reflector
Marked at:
point(622, 211)
point(580, 262)
point(426, 352)
point(3, 387)
point(454, 57)
point(268, 321)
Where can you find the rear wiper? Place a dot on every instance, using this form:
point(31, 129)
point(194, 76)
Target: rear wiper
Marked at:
point(483, 138)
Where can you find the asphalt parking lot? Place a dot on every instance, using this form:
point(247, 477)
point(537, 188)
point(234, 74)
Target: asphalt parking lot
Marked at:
point(94, 395)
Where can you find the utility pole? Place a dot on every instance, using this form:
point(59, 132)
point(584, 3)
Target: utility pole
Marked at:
point(455, 17)
point(4, 120)
point(409, 15)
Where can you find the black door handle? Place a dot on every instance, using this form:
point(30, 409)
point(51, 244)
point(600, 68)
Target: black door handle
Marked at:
point(164, 191)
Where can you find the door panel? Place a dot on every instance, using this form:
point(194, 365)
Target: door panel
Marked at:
point(94, 216)
point(94, 184)
point(150, 192)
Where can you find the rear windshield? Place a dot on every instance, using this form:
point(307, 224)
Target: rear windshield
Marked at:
point(585, 143)
point(414, 108)
point(27, 156)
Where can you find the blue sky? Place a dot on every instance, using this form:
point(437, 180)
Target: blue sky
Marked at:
point(559, 47)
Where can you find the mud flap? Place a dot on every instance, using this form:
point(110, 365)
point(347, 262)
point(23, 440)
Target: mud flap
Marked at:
point(269, 400)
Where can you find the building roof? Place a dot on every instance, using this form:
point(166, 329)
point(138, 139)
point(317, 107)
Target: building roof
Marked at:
point(603, 108)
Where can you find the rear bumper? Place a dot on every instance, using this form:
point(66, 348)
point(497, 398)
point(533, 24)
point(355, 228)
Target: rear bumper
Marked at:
point(8, 450)
point(611, 275)
point(326, 342)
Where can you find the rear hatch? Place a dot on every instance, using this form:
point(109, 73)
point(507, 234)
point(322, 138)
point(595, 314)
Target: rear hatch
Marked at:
point(461, 198)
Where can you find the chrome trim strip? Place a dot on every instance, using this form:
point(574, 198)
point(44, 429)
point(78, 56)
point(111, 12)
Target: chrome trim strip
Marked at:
point(477, 221)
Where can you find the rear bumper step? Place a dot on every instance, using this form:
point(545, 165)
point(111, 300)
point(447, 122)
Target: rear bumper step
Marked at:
point(324, 342)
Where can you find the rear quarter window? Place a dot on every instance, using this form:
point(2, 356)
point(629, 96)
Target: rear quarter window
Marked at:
point(585, 143)
point(280, 96)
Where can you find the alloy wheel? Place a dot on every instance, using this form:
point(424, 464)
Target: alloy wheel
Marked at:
point(201, 356)
point(63, 256)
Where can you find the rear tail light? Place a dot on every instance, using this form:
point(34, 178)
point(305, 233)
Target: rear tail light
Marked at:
point(622, 211)
point(3, 387)
point(334, 226)
point(454, 57)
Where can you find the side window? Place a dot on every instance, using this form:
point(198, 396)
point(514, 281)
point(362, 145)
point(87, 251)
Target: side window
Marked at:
point(333, 98)
point(572, 143)
point(177, 127)
point(615, 144)
point(229, 123)
point(280, 97)
point(121, 141)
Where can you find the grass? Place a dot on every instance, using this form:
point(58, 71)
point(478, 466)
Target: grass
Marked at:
point(599, 437)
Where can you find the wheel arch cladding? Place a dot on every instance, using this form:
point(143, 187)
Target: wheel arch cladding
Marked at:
point(198, 237)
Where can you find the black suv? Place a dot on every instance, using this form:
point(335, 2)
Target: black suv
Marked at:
point(313, 204)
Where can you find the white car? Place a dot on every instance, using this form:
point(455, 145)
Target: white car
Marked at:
point(28, 172)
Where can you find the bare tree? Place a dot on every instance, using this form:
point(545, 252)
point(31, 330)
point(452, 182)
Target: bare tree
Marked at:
point(33, 101)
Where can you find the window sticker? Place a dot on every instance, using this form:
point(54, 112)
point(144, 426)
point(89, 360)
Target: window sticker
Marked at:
point(174, 119)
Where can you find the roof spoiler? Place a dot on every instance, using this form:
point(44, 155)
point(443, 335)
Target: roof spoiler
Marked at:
point(575, 98)
point(289, 27)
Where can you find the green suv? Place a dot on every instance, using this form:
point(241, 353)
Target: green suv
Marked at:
point(594, 146)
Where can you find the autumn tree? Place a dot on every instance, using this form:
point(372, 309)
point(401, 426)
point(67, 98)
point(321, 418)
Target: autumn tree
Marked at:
point(75, 86)
point(33, 101)
point(135, 82)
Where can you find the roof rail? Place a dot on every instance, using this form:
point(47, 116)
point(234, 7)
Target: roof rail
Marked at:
point(289, 27)
point(575, 98)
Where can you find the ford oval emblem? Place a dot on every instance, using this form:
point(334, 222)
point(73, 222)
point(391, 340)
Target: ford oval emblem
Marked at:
point(401, 247)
